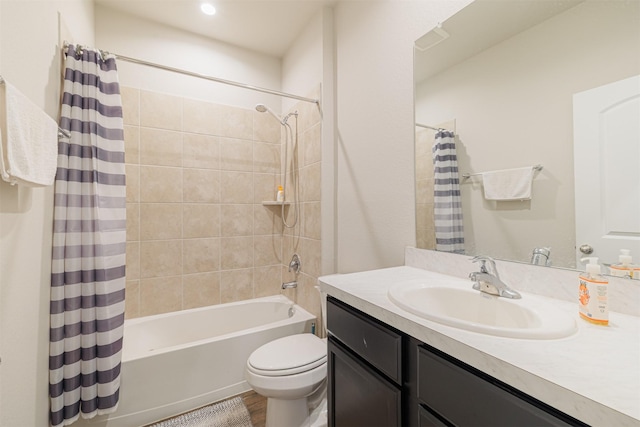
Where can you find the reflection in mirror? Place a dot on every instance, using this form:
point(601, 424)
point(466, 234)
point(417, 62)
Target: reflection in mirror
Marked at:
point(511, 98)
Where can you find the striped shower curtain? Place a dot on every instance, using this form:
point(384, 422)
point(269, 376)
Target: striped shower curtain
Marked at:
point(88, 257)
point(447, 204)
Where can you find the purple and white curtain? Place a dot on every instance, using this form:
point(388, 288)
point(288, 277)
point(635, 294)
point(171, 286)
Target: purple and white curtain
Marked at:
point(446, 196)
point(88, 258)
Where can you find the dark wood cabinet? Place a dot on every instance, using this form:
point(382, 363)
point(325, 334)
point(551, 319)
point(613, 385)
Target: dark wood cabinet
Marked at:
point(364, 375)
point(379, 376)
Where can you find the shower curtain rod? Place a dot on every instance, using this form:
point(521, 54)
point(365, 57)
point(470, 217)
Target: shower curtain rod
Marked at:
point(205, 77)
point(431, 127)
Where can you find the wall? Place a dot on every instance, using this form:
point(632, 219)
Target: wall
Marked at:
point(30, 60)
point(513, 108)
point(141, 39)
point(238, 255)
point(375, 127)
point(197, 232)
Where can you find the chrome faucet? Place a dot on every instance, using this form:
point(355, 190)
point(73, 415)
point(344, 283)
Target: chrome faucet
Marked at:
point(288, 285)
point(489, 281)
point(295, 263)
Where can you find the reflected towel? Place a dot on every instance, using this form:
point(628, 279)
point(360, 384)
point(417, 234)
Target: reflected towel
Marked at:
point(508, 184)
point(28, 140)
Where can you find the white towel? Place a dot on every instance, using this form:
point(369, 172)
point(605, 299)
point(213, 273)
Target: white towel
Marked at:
point(28, 140)
point(508, 184)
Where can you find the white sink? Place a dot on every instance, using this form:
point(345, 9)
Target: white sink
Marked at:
point(460, 306)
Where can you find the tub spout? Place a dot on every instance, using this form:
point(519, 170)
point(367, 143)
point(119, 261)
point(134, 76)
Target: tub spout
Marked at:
point(288, 285)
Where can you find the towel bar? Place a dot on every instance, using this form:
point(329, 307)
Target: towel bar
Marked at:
point(468, 175)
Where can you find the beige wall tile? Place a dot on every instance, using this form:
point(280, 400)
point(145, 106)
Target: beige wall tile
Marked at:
point(266, 128)
point(236, 285)
point(160, 221)
point(424, 191)
point(310, 178)
point(202, 117)
point(236, 154)
point(200, 220)
point(201, 255)
point(311, 142)
point(160, 258)
point(160, 184)
point(236, 122)
point(236, 220)
point(311, 256)
point(265, 187)
point(133, 261)
point(236, 187)
point(311, 220)
point(266, 250)
point(132, 144)
point(160, 111)
point(130, 105)
point(236, 252)
point(266, 281)
point(200, 290)
point(133, 221)
point(201, 186)
point(160, 295)
point(200, 151)
point(132, 299)
point(133, 182)
point(266, 220)
point(160, 147)
point(266, 158)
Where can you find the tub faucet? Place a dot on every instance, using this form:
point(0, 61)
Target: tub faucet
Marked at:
point(288, 285)
point(489, 281)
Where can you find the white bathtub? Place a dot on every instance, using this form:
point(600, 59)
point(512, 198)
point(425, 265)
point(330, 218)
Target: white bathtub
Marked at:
point(175, 362)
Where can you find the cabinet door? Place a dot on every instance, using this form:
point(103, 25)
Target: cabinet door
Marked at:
point(427, 419)
point(357, 395)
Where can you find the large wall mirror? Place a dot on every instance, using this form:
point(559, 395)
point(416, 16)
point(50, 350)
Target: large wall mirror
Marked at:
point(507, 77)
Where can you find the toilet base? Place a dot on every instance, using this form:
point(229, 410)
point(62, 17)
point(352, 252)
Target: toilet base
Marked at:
point(287, 413)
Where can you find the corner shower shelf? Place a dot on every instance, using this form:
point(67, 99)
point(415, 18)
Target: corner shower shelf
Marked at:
point(274, 203)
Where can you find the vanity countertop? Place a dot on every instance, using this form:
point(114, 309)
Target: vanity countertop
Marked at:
point(592, 375)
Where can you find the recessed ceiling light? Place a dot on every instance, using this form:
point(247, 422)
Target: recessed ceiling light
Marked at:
point(208, 9)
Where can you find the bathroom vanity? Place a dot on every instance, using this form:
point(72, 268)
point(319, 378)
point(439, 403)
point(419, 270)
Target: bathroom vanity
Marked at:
point(409, 371)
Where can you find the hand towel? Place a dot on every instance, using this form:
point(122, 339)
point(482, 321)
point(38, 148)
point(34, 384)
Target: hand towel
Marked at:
point(508, 184)
point(28, 140)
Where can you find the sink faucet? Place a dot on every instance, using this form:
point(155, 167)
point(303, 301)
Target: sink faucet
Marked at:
point(489, 281)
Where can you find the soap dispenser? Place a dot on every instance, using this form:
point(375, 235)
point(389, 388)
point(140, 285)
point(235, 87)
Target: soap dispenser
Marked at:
point(625, 266)
point(592, 296)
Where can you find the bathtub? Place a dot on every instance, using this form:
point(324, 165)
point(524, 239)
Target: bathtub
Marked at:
point(176, 362)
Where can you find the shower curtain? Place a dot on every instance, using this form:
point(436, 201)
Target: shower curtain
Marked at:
point(88, 257)
point(446, 197)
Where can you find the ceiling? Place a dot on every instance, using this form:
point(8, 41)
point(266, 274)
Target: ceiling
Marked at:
point(267, 26)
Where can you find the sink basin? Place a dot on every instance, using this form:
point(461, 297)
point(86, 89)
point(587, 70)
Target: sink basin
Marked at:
point(460, 306)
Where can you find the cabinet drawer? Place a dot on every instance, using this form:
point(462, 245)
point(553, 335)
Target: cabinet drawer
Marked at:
point(377, 344)
point(466, 397)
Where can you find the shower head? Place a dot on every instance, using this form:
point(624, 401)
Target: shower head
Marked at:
point(264, 109)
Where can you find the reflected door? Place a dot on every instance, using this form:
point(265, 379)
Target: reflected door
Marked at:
point(606, 122)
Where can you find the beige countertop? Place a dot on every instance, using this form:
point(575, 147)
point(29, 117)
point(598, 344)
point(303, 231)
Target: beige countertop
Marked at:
point(592, 375)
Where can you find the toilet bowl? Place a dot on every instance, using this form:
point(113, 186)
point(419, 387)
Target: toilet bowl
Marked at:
point(291, 373)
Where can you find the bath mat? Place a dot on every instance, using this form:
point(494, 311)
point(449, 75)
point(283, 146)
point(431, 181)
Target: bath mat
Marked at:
point(228, 413)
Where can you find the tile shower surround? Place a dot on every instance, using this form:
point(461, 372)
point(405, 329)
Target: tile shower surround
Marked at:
point(197, 232)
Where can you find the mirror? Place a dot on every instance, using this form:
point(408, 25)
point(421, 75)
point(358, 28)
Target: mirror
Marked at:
point(502, 76)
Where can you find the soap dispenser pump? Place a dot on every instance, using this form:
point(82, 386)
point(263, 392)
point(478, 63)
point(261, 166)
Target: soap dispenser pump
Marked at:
point(593, 304)
point(625, 266)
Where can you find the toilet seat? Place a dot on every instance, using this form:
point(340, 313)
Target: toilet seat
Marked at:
point(289, 355)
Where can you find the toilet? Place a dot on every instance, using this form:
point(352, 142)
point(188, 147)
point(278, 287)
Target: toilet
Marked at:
point(291, 373)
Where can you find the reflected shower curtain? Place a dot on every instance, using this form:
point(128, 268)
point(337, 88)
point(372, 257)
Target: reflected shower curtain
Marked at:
point(88, 257)
point(446, 196)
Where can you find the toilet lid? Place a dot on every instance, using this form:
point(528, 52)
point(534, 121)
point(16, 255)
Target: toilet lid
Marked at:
point(289, 355)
